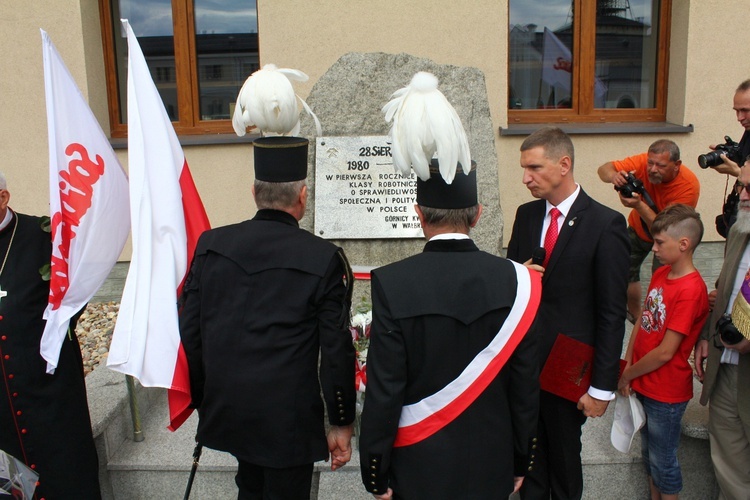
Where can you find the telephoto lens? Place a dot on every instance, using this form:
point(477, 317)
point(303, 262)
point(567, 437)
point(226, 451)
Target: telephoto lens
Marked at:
point(709, 159)
point(713, 158)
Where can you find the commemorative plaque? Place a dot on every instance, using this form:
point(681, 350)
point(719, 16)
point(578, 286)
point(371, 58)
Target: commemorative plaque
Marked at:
point(358, 194)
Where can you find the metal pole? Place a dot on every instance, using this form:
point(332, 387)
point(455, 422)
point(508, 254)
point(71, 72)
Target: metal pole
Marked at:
point(135, 413)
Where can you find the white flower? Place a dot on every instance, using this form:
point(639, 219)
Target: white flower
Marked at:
point(361, 320)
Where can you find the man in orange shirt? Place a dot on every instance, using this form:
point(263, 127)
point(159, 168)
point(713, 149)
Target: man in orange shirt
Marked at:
point(667, 182)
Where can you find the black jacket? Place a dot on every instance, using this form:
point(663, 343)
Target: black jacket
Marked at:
point(432, 314)
point(263, 300)
point(585, 282)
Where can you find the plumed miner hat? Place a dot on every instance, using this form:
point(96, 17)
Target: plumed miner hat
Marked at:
point(428, 137)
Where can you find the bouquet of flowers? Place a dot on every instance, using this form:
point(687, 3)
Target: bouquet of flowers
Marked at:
point(360, 330)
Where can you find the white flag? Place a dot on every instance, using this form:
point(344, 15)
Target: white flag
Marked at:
point(88, 202)
point(168, 217)
point(557, 62)
point(557, 68)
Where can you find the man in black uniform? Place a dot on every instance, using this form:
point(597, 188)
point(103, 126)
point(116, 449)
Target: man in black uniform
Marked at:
point(263, 300)
point(44, 419)
point(452, 379)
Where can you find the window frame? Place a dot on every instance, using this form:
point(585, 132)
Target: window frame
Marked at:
point(186, 73)
point(584, 52)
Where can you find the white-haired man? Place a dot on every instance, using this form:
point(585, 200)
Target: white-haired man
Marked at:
point(725, 344)
point(263, 302)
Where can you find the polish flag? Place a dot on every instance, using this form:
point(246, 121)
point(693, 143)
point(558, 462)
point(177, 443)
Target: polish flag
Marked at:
point(167, 217)
point(88, 202)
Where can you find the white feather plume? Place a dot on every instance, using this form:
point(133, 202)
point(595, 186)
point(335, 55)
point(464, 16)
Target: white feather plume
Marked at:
point(426, 125)
point(267, 101)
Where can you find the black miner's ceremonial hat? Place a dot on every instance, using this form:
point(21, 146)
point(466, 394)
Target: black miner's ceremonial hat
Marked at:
point(435, 193)
point(280, 159)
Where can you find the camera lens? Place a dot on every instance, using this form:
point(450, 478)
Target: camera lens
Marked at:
point(625, 190)
point(709, 159)
point(727, 331)
point(731, 335)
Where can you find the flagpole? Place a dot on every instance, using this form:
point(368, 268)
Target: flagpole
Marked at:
point(135, 413)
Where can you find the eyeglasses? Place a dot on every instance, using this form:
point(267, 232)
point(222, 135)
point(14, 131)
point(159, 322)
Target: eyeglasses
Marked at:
point(739, 187)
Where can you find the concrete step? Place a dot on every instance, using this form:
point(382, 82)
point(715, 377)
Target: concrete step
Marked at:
point(609, 474)
point(158, 467)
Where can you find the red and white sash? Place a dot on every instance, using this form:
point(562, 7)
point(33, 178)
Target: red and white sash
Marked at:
point(424, 418)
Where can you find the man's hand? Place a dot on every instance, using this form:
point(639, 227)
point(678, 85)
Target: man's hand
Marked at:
point(340, 445)
point(700, 355)
point(712, 299)
point(728, 166)
point(619, 179)
point(632, 201)
point(385, 496)
point(592, 407)
point(517, 482)
point(535, 267)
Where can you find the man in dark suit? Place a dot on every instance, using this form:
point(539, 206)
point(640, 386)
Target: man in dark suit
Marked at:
point(583, 297)
point(452, 377)
point(263, 301)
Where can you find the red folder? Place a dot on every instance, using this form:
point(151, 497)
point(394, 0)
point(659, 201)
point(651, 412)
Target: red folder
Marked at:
point(567, 372)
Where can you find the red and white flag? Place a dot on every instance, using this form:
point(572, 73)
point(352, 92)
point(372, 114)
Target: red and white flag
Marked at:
point(88, 202)
point(168, 217)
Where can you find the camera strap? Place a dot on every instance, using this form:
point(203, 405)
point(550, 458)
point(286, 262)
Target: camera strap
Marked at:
point(647, 198)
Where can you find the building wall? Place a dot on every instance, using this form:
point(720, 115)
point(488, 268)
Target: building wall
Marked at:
point(23, 121)
point(705, 68)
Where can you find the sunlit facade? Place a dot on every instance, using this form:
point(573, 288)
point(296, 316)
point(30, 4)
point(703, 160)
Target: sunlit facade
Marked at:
point(622, 87)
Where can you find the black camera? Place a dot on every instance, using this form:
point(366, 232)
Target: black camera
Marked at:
point(727, 331)
point(728, 214)
point(729, 148)
point(633, 185)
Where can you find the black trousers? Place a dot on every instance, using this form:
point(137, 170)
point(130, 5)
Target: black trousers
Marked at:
point(267, 483)
point(557, 471)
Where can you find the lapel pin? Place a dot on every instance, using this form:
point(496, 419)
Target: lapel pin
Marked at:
point(572, 221)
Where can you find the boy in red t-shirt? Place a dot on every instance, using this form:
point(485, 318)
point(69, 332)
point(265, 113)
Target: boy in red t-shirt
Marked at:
point(657, 357)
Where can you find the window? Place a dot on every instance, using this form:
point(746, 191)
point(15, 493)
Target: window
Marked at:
point(588, 60)
point(199, 53)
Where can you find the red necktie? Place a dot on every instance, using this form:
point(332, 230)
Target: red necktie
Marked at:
point(551, 237)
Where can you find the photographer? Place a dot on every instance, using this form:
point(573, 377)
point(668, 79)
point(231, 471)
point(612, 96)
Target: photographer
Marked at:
point(725, 349)
point(660, 174)
point(742, 110)
point(728, 164)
